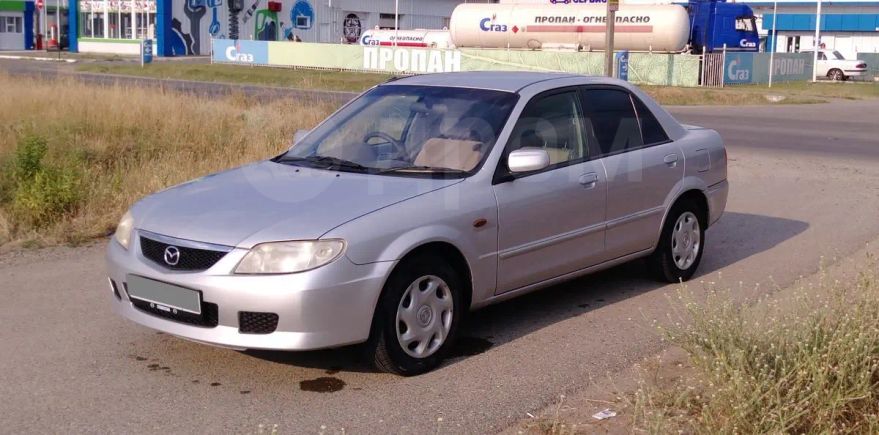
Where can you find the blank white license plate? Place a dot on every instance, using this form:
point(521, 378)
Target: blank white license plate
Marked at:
point(164, 294)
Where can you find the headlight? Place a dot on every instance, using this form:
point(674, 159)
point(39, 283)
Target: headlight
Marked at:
point(123, 230)
point(290, 257)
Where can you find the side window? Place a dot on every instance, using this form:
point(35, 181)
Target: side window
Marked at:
point(553, 123)
point(821, 56)
point(651, 130)
point(611, 119)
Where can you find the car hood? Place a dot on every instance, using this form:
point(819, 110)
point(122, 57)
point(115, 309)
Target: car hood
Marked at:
point(268, 201)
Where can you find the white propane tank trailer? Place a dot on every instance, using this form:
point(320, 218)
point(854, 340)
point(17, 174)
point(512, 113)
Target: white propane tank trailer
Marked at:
point(657, 27)
point(419, 38)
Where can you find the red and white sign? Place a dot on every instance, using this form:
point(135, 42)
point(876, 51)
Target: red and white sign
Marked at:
point(39, 4)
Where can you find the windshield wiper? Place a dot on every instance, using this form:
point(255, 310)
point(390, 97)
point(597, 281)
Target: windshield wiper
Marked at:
point(430, 169)
point(323, 161)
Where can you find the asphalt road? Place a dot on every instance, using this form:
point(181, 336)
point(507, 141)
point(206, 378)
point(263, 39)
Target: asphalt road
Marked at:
point(805, 185)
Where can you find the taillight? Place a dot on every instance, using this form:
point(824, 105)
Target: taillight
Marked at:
point(861, 65)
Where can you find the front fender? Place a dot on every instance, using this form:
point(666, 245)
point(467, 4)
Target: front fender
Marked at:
point(447, 216)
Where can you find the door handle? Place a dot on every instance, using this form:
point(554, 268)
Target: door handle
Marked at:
point(589, 180)
point(671, 160)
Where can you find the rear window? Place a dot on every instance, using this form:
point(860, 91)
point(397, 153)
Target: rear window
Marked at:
point(613, 121)
point(651, 129)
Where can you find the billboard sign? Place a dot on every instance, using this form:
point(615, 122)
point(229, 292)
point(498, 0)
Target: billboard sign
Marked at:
point(643, 68)
point(738, 68)
point(623, 65)
point(411, 60)
point(243, 52)
point(146, 52)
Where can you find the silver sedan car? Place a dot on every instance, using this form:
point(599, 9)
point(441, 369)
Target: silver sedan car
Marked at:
point(423, 199)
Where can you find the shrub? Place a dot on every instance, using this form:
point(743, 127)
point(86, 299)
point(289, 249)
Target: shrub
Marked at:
point(806, 364)
point(28, 159)
point(46, 197)
point(40, 194)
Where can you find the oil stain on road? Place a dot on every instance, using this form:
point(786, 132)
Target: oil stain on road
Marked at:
point(322, 385)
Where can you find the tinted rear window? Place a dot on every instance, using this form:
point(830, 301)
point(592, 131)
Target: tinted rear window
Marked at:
point(612, 118)
point(651, 129)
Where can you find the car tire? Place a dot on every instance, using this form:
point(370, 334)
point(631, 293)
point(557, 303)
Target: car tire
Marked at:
point(836, 75)
point(681, 243)
point(417, 317)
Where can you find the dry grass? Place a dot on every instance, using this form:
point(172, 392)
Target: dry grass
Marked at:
point(794, 93)
point(808, 363)
point(122, 143)
point(849, 90)
point(729, 96)
point(294, 78)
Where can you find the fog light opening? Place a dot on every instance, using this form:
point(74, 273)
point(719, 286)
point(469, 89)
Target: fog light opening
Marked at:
point(115, 289)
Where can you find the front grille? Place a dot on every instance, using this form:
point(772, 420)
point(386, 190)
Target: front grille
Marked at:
point(189, 259)
point(209, 317)
point(257, 323)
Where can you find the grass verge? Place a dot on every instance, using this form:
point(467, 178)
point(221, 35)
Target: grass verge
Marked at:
point(806, 363)
point(294, 78)
point(850, 90)
point(793, 93)
point(729, 96)
point(74, 157)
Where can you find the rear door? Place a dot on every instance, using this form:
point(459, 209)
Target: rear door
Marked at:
point(643, 167)
point(550, 222)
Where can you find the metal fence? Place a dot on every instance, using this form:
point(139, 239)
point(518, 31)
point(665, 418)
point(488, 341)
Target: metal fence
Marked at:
point(740, 68)
point(712, 70)
point(872, 60)
point(644, 68)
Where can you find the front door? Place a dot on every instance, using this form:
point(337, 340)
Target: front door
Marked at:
point(550, 222)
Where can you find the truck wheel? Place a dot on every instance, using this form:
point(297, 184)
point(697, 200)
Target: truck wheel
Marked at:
point(836, 75)
point(679, 251)
point(417, 317)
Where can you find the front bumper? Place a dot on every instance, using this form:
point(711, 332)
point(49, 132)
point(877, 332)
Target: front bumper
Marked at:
point(327, 307)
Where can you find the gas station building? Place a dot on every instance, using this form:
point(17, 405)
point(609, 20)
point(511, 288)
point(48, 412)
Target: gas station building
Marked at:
point(16, 25)
point(185, 27)
point(849, 26)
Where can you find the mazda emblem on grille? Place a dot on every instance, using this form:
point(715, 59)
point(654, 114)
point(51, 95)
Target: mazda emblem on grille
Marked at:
point(172, 256)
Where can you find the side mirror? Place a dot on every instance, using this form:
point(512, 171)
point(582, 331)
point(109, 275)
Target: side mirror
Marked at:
point(298, 136)
point(528, 160)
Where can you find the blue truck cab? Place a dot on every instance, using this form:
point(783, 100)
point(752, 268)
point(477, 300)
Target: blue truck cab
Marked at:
point(714, 23)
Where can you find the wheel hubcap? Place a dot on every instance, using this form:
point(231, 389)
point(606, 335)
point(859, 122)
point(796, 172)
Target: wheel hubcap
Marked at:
point(424, 316)
point(686, 238)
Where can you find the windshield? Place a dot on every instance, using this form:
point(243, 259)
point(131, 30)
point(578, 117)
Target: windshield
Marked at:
point(837, 55)
point(403, 129)
point(746, 24)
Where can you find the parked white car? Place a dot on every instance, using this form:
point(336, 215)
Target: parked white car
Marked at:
point(833, 65)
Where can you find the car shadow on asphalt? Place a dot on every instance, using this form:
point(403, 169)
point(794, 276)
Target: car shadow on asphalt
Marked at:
point(737, 236)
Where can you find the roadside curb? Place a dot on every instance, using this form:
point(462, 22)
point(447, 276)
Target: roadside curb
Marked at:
point(43, 59)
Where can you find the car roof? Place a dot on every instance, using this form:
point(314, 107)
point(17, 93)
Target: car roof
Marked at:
point(518, 81)
point(508, 81)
